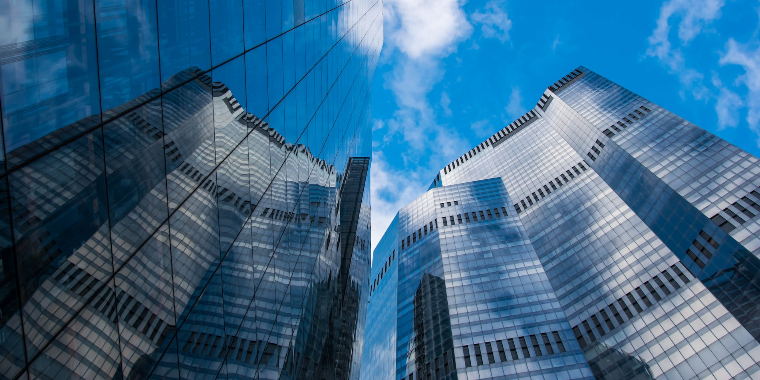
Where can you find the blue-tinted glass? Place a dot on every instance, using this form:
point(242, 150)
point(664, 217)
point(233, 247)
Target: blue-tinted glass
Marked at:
point(287, 15)
point(257, 93)
point(184, 39)
point(56, 241)
point(288, 61)
point(12, 357)
point(53, 71)
point(275, 72)
point(136, 181)
point(255, 23)
point(127, 50)
point(229, 101)
point(227, 38)
point(273, 18)
point(234, 195)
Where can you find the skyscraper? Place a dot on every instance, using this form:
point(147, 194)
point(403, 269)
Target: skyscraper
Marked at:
point(184, 188)
point(597, 236)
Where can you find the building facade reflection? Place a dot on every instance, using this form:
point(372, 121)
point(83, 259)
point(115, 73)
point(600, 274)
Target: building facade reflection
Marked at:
point(184, 219)
point(623, 245)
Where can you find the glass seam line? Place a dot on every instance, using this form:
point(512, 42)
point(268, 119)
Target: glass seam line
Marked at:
point(54, 336)
point(162, 92)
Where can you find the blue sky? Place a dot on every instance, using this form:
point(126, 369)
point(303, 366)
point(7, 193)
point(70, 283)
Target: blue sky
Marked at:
point(453, 72)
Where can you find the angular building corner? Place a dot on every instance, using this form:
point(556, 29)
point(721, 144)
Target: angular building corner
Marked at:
point(597, 236)
point(184, 190)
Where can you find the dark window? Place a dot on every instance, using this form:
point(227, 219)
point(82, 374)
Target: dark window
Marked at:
point(751, 203)
point(589, 332)
point(582, 167)
point(579, 336)
point(536, 346)
point(504, 210)
point(517, 208)
point(696, 259)
point(481, 215)
point(569, 173)
point(474, 216)
point(608, 133)
point(662, 286)
point(489, 352)
point(558, 181)
point(598, 325)
point(625, 308)
point(425, 229)
point(547, 344)
point(741, 208)
point(441, 205)
point(671, 280)
point(524, 347)
point(547, 189)
point(644, 297)
point(467, 362)
point(451, 219)
point(523, 204)
point(564, 178)
point(734, 216)
point(654, 293)
point(445, 223)
point(616, 314)
point(502, 354)
point(478, 355)
point(576, 170)
point(634, 302)
point(496, 210)
point(558, 340)
point(595, 150)
point(414, 237)
point(541, 193)
point(530, 201)
point(459, 218)
point(680, 274)
point(448, 203)
point(601, 145)
point(456, 203)
point(512, 348)
point(708, 239)
point(607, 320)
point(551, 183)
point(490, 216)
point(467, 217)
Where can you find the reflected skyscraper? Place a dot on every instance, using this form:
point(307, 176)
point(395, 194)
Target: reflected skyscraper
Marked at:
point(184, 189)
point(597, 236)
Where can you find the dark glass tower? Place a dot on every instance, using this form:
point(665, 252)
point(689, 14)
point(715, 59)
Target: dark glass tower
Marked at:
point(597, 236)
point(185, 188)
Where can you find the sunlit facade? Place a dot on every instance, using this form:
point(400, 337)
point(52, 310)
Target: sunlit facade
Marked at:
point(597, 236)
point(185, 189)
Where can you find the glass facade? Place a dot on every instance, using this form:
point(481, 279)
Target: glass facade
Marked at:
point(597, 236)
point(185, 188)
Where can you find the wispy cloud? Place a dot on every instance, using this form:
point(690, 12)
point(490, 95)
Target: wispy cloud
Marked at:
point(692, 17)
point(494, 21)
point(514, 107)
point(419, 35)
point(748, 57)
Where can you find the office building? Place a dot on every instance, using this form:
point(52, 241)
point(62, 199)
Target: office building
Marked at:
point(597, 236)
point(184, 188)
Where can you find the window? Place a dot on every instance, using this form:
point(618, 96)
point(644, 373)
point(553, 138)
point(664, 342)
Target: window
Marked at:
point(467, 362)
point(478, 355)
point(625, 308)
point(607, 320)
point(558, 181)
point(743, 210)
point(615, 128)
point(576, 170)
point(723, 223)
point(482, 217)
point(467, 217)
point(456, 203)
point(680, 274)
point(445, 223)
point(654, 293)
point(524, 347)
point(558, 340)
point(496, 210)
point(489, 352)
point(474, 216)
point(459, 218)
point(517, 208)
point(671, 280)
point(662, 286)
point(536, 347)
point(616, 314)
point(512, 348)
point(523, 204)
point(564, 178)
point(504, 210)
point(579, 336)
point(425, 229)
point(634, 302)
point(547, 189)
point(643, 297)
point(448, 203)
point(582, 167)
point(541, 193)
point(502, 353)
point(547, 344)
point(695, 258)
point(551, 183)
point(530, 202)
point(414, 237)
point(535, 197)
point(490, 216)
point(608, 133)
point(441, 205)
point(589, 332)
point(708, 239)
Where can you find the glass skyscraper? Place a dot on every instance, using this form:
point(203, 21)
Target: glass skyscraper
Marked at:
point(597, 236)
point(184, 187)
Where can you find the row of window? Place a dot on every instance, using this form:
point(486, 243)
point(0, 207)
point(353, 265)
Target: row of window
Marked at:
point(612, 316)
point(380, 275)
point(704, 251)
point(483, 215)
point(240, 349)
point(438, 368)
point(567, 79)
point(513, 348)
point(448, 204)
point(620, 123)
point(748, 199)
point(494, 140)
point(544, 102)
point(547, 188)
point(129, 310)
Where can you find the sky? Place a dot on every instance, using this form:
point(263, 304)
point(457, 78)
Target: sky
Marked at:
point(453, 72)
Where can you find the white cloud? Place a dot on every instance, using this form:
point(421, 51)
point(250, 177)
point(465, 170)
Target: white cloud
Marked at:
point(556, 43)
point(494, 22)
point(727, 107)
point(445, 103)
point(481, 127)
point(514, 106)
point(425, 27)
point(694, 16)
point(419, 34)
point(749, 60)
